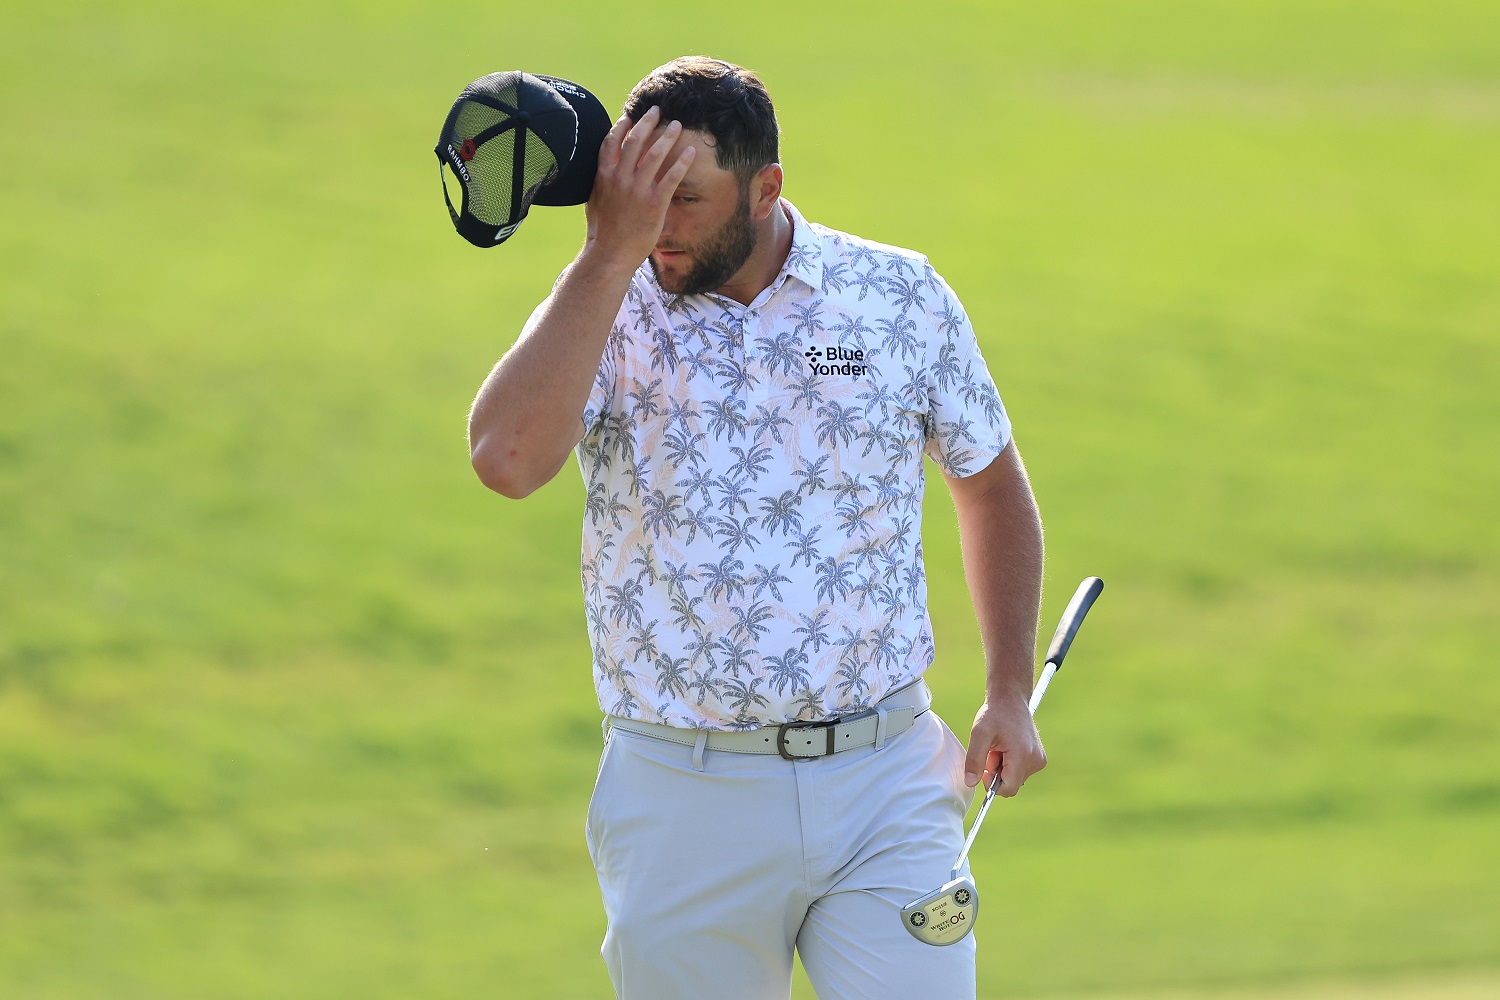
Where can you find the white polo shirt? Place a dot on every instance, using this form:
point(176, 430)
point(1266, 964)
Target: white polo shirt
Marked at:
point(752, 548)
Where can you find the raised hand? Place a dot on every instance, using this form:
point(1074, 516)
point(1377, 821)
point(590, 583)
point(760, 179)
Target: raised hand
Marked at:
point(634, 186)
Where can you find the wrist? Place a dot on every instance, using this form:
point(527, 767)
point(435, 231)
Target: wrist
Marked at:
point(606, 261)
point(1008, 687)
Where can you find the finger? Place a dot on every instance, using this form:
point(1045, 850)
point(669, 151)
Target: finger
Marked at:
point(992, 765)
point(677, 171)
point(635, 140)
point(668, 177)
point(1015, 769)
point(976, 764)
point(609, 150)
point(661, 145)
point(1010, 776)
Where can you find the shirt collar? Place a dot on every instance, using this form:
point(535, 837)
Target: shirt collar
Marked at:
point(805, 259)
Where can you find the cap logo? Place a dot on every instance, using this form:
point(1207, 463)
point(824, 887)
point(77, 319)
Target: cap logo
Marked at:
point(467, 149)
point(457, 160)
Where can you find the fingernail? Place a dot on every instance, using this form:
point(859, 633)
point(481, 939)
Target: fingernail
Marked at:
point(971, 779)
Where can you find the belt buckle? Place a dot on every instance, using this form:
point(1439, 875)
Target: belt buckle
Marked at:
point(786, 728)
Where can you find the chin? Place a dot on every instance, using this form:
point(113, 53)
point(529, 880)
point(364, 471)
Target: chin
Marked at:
point(670, 280)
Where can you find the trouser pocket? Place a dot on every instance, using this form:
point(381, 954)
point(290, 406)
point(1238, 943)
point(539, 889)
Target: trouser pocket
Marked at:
point(590, 832)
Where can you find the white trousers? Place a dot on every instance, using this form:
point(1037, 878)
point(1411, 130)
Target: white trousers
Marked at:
point(711, 878)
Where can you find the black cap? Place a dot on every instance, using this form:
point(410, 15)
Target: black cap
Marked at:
point(513, 140)
point(576, 181)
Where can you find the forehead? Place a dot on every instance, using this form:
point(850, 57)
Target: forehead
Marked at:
point(704, 174)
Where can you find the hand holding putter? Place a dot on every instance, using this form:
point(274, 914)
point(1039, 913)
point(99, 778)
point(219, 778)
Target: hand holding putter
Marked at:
point(946, 915)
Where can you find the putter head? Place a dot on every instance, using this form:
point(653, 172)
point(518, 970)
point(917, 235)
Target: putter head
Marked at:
point(943, 916)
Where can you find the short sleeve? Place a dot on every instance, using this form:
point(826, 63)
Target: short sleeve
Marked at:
point(603, 389)
point(966, 424)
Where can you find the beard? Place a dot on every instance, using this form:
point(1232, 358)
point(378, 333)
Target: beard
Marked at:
point(716, 259)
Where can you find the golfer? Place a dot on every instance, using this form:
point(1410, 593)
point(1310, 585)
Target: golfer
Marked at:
point(749, 396)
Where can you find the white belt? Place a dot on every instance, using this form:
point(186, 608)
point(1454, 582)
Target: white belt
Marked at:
point(794, 740)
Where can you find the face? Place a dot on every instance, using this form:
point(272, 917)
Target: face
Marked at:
point(708, 234)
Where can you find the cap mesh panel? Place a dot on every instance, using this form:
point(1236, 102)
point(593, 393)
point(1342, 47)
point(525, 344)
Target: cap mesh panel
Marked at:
point(540, 165)
point(491, 167)
point(489, 193)
point(474, 118)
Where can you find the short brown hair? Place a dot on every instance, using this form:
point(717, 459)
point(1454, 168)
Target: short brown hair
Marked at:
point(724, 100)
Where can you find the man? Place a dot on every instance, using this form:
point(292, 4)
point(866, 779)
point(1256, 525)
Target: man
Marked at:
point(750, 397)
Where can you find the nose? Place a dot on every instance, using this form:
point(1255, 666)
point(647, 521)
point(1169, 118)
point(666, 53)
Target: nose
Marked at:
point(667, 239)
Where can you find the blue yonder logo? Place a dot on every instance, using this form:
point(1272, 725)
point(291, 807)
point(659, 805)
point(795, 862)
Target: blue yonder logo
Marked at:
point(836, 360)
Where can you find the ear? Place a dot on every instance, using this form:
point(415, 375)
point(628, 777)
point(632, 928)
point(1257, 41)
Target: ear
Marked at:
point(765, 191)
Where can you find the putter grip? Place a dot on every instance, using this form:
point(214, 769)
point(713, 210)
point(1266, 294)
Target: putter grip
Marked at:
point(1083, 599)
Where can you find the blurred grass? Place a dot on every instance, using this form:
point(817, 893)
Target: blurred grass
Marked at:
point(1438, 987)
point(290, 707)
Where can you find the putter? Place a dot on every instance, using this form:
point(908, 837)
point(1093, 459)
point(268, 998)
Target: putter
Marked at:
point(946, 915)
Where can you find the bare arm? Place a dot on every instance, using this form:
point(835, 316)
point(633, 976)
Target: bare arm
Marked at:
point(1000, 533)
point(525, 419)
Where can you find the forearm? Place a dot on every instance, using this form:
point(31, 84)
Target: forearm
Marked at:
point(1001, 534)
point(526, 417)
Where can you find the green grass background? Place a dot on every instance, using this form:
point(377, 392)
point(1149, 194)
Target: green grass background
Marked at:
point(291, 707)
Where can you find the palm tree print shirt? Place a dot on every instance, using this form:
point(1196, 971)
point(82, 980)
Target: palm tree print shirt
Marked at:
point(752, 537)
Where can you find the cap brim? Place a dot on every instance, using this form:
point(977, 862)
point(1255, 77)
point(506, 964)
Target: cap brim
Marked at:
point(575, 182)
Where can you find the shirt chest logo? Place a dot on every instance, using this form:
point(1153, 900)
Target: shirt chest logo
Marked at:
point(836, 360)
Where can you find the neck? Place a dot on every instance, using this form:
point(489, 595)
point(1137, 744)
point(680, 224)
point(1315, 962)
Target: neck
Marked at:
point(773, 241)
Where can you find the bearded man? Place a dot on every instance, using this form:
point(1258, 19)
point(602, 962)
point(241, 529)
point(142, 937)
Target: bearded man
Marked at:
point(750, 396)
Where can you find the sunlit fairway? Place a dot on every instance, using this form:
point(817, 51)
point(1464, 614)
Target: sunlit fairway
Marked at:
point(290, 707)
point(1439, 987)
